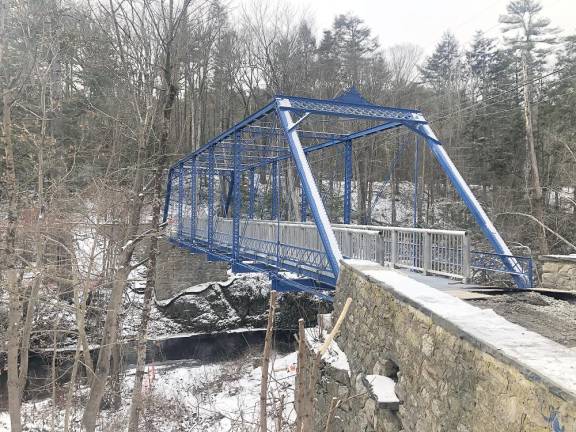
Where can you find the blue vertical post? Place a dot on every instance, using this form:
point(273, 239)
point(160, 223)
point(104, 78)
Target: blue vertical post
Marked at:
point(168, 196)
point(312, 194)
point(237, 197)
point(180, 200)
point(303, 206)
point(252, 193)
point(276, 206)
point(193, 194)
point(347, 181)
point(416, 172)
point(486, 225)
point(211, 163)
point(274, 190)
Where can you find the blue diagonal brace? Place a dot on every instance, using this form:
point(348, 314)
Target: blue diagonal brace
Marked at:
point(472, 203)
point(312, 195)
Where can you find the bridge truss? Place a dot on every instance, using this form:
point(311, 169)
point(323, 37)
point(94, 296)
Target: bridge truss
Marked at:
point(249, 227)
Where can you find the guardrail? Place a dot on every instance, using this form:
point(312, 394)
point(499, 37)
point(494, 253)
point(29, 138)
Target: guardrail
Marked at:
point(440, 252)
point(493, 262)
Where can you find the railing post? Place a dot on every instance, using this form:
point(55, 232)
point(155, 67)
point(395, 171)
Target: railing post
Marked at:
point(193, 211)
point(180, 200)
point(394, 247)
point(237, 197)
point(427, 265)
point(347, 181)
point(380, 248)
point(466, 268)
point(211, 163)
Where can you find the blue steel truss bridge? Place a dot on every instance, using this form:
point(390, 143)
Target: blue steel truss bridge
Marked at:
point(254, 196)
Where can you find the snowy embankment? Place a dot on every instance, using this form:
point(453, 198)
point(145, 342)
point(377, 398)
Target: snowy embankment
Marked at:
point(186, 396)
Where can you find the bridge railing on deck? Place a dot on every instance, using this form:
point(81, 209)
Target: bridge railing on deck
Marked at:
point(298, 245)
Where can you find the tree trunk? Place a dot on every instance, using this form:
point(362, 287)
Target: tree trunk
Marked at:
point(170, 96)
point(533, 184)
point(11, 273)
point(121, 273)
point(266, 363)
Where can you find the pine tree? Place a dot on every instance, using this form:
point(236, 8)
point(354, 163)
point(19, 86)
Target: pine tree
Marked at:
point(530, 36)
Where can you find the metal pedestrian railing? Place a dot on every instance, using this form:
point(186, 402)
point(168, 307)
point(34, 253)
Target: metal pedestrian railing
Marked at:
point(297, 245)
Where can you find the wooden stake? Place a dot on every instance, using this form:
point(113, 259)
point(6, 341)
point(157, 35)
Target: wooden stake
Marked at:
point(301, 376)
point(336, 328)
point(333, 406)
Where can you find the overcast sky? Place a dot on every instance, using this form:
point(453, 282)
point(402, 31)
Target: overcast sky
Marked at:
point(423, 21)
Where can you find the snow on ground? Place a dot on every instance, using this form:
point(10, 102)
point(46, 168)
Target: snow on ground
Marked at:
point(187, 396)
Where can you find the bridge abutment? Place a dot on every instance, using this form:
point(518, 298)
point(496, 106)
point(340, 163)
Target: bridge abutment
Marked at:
point(453, 366)
point(179, 269)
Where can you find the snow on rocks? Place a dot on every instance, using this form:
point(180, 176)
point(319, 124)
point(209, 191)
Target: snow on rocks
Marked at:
point(334, 356)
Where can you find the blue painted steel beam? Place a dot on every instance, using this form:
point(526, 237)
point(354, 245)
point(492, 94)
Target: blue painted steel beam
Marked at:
point(252, 193)
point(279, 132)
point(211, 198)
point(180, 200)
point(270, 107)
point(353, 136)
point(193, 197)
point(282, 284)
point(347, 181)
point(312, 194)
point(237, 196)
point(347, 109)
point(168, 195)
point(275, 189)
point(472, 203)
point(224, 253)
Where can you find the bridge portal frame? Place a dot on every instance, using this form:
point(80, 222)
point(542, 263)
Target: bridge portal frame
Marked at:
point(230, 154)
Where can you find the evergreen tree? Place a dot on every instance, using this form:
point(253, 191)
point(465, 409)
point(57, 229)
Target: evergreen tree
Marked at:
point(531, 36)
point(444, 68)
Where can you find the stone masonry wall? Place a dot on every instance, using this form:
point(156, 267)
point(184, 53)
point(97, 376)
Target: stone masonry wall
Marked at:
point(179, 269)
point(559, 272)
point(457, 368)
point(357, 408)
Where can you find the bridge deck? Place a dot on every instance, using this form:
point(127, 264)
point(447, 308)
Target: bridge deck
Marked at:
point(277, 247)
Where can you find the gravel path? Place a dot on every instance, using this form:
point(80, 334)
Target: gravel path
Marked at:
point(553, 318)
